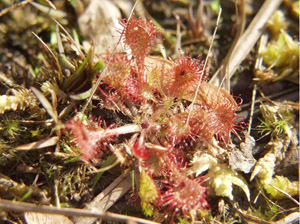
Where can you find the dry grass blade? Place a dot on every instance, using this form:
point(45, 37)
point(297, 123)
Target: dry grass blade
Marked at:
point(106, 168)
point(178, 35)
point(75, 43)
point(50, 4)
point(250, 36)
point(107, 197)
point(39, 144)
point(6, 80)
point(45, 45)
point(46, 104)
point(50, 11)
point(241, 26)
point(252, 108)
point(62, 56)
point(8, 205)
point(251, 218)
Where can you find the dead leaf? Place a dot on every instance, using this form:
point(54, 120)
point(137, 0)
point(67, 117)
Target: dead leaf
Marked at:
point(99, 23)
point(45, 218)
point(243, 160)
point(107, 198)
point(39, 144)
point(46, 104)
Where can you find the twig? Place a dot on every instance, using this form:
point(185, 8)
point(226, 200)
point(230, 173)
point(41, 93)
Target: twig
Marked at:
point(286, 194)
point(178, 35)
point(8, 205)
point(15, 6)
point(226, 62)
point(56, 193)
point(267, 98)
point(252, 108)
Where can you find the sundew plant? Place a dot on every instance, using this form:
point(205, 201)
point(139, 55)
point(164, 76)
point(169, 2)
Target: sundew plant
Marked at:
point(177, 146)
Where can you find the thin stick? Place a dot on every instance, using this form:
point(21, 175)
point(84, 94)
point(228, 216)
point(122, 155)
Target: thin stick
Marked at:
point(286, 194)
point(242, 23)
point(8, 205)
point(269, 97)
point(13, 7)
point(252, 107)
point(203, 71)
point(50, 4)
point(178, 35)
point(94, 88)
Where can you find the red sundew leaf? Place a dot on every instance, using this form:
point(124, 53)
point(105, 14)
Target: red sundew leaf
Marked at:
point(179, 192)
point(185, 195)
point(91, 139)
point(132, 89)
point(186, 72)
point(176, 129)
point(213, 97)
point(140, 36)
point(214, 112)
point(85, 139)
point(118, 71)
point(125, 79)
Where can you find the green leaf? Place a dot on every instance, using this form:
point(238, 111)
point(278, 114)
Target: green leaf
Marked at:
point(147, 209)
point(282, 52)
point(26, 195)
point(148, 191)
point(82, 96)
point(215, 5)
point(97, 67)
point(73, 159)
point(77, 73)
point(107, 162)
